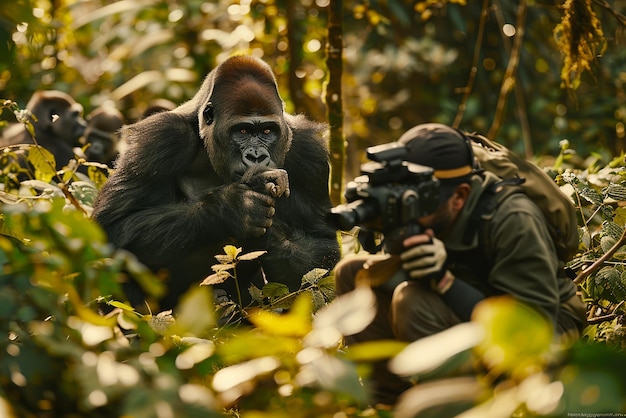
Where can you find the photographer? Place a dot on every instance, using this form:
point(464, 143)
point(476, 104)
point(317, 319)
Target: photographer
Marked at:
point(451, 266)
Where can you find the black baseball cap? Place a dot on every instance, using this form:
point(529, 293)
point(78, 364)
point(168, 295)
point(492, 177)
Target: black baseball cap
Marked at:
point(441, 147)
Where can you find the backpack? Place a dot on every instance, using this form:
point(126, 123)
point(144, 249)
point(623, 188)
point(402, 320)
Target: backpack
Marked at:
point(557, 208)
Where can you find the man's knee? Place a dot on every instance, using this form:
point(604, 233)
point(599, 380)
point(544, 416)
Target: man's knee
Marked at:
point(345, 273)
point(417, 312)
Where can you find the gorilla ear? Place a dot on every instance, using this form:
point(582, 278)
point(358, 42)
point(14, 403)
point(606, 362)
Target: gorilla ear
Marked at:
point(208, 113)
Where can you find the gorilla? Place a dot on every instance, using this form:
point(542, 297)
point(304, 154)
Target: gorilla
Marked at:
point(156, 106)
point(58, 126)
point(229, 166)
point(102, 134)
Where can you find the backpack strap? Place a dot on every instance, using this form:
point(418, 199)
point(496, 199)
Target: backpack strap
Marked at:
point(487, 203)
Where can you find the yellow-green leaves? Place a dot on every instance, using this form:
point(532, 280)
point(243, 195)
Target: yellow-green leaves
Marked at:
point(228, 261)
point(580, 39)
point(295, 323)
point(517, 337)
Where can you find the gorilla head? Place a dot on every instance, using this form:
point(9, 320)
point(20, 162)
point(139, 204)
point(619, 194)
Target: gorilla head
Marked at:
point(59, 117)
point(102, 134)
point(243, 118)
point(57, 123)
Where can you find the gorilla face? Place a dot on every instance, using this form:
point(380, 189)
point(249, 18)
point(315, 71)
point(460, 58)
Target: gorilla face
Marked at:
point(256, 139)
point(242, 123)
point(63, 120)
point(102, 134)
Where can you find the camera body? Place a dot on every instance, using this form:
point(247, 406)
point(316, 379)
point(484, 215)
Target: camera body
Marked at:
point(388, 197)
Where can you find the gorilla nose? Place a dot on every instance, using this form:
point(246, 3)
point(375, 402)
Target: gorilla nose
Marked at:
point(256, 156)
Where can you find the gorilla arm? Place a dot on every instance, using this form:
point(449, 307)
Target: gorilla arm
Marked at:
point(164, 200)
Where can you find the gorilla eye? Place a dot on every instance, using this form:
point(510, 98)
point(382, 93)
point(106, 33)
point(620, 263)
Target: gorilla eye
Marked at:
point(267, 131)
point(243, 131)
point(208, 113)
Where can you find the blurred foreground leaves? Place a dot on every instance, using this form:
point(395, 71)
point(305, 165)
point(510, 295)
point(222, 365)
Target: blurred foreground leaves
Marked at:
point(65, 358)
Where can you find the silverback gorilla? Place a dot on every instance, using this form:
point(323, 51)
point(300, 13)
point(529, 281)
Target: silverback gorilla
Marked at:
point(230, 166)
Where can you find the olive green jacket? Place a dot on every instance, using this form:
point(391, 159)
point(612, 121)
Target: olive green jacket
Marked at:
point(512, 253)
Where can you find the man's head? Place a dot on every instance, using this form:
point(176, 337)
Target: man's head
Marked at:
point(448, 153)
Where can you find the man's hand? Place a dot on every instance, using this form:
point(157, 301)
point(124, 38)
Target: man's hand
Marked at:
point(425, 256)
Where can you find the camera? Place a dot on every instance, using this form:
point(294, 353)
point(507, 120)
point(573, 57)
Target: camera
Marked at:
point(388, 197)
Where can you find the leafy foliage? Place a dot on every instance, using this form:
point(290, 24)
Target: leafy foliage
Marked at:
point(284, 357)
point(58, 270)
point(580, 39)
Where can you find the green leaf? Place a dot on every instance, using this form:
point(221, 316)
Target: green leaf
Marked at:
point(223, 267)
point(121, 306)
point(43, 162)
point(375, 350)
point(251, 255)
point(296, 322)
point(612, 229)
point(195, 314)
point(606, 275)
point(275, 290)
point(591, 195)
point(254, 344)
point(506, 346)
point(440, 398)
point(216, 278)
point(232, 251)
point(335, 375)
point(314, 276)
point(431, 352)
point(618, 287)
point(348, 314)
point(84, 192)
point(97, 175)
point(230, 377)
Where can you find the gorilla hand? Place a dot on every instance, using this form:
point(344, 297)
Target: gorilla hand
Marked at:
point(249, 212)
point(274, 182)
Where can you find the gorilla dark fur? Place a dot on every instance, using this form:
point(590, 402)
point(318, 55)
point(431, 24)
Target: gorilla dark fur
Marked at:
point(102, 134)
point(58, 127)
point(230, 166)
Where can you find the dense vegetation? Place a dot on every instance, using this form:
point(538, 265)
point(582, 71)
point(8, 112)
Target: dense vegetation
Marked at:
point(405, 63)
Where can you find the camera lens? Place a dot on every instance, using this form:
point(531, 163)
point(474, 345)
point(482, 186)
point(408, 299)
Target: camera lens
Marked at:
point(345, 217)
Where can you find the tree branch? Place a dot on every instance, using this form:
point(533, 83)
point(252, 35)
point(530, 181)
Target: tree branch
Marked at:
point(600, 261)
point(508, 81)
point(467, 90)
point(333, 99)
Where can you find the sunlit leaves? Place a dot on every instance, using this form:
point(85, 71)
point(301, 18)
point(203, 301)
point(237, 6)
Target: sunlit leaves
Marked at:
point(441, 398)
point(250, 345)
point(580, 39)
point(237, 380)
point(196, 353)
point(43, 161)
point(350, 314)
point(536, 393)
point(517, 337)
point(427, 353)
point(195, 315)
point(162, 322)
point(376, 350)
point(330, 373)
point(228, 261)
point(296, 322)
